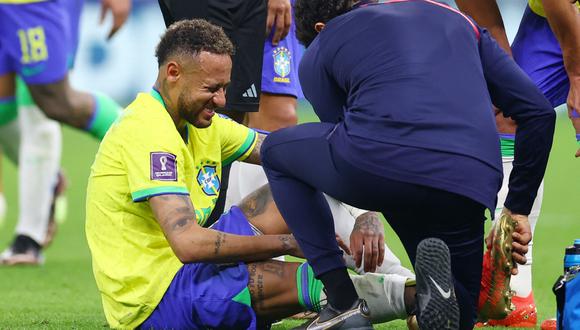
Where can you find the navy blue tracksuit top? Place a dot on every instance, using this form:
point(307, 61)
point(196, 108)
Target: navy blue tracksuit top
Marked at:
point(410, 87)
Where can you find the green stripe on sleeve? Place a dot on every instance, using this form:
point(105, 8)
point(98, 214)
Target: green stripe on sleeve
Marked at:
point(245, 147)
point(144, 194)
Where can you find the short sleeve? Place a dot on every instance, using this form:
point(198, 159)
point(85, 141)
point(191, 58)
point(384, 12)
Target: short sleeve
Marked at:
point(237, 141)
point(154, 161)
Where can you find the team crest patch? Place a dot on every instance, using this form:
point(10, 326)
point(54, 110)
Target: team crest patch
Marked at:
point(282, 61)
point(163, 166)
point(208, 180)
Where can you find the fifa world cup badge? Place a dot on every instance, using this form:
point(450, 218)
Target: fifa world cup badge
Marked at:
point(282, 58)
point(163, 166)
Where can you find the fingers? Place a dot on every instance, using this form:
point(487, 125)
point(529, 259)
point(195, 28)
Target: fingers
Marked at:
point(522, 238)
point(118, 21)
point(356, 247)
point(381, 250)
point(104, 9)
point(342, 245)
point(279, 18)
point(515, 270)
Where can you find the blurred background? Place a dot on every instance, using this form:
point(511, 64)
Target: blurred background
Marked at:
point(126, 64)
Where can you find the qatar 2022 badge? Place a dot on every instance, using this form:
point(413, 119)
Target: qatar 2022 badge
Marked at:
point(282, 64)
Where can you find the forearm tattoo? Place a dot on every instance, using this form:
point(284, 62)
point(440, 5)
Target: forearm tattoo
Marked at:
point(254, 157)
point(285, 239)
point(219, 241)
point(177, 213)
point(368, 221)
point(257, 202)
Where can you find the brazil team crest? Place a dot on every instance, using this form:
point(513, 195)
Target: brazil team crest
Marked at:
point(208, 180)
point(282, 64)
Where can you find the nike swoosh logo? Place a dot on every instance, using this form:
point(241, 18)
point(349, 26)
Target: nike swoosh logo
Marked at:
point(445, 294)
point(332, 322)
point(28, 71)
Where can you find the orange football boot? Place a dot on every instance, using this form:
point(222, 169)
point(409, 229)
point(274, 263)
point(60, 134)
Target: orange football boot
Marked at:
point(549, 324)
point(524, 316)
point(495, 295)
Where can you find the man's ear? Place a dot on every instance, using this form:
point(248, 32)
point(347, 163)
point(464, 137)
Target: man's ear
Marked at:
point(172, 71)
point(319, 26)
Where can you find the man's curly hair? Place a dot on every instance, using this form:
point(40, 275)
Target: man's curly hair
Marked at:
point(190, 37)
point(309, 12)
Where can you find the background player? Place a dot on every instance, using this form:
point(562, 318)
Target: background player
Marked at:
point(34, 143)
point(34, 44)
point(547, 48)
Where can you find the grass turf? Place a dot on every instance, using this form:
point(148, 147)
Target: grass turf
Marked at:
point(62, 293)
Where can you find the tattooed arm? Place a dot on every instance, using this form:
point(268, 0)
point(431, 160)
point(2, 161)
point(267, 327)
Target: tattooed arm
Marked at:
point(254, 157)
point(193, 243)
point(368, 238)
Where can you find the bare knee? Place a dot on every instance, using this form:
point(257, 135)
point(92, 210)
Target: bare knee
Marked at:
point(276, 111)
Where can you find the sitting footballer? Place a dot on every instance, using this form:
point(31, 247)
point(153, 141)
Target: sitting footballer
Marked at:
point(154, 182)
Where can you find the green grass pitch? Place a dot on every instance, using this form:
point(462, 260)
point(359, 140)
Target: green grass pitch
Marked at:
point(62, 294)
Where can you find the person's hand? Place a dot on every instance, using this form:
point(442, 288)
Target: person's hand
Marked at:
point(120, 10)
point(279, 19)
point(522, 236)
point(368, 239)
point(573, 103)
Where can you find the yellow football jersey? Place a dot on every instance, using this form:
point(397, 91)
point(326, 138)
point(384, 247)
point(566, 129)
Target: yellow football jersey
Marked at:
point(537, 7)
point(20, 2)
point(143, 155)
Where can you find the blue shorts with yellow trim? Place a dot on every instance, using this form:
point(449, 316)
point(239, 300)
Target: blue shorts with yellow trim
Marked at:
point(209, 296)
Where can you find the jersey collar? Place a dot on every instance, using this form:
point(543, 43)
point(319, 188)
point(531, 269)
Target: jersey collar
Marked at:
point(157, 96)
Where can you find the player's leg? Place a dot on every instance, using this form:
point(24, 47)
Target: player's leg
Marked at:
point(42, 53)
point(280, 84)
point(261, 211)
point(38, 162)
point(299, 163)
point(538, 53)
point(40, 155)
point(276, 111)
point(281, 289)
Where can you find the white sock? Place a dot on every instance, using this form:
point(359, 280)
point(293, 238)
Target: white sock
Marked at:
point(521, 283)
point(40, 152)
point(384, 294)
point(343, 225)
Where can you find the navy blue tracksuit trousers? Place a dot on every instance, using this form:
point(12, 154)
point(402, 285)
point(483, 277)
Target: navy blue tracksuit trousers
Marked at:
point(300, 164)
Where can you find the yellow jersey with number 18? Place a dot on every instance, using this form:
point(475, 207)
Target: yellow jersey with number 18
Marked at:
point(143, 155)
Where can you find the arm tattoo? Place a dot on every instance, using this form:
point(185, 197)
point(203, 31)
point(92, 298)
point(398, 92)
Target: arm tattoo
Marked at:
point(257, 202)
point(175, 214)
point(254, 157)
point(285, 239)
point(221, 239)
point(368, 221)
point(274, 267)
